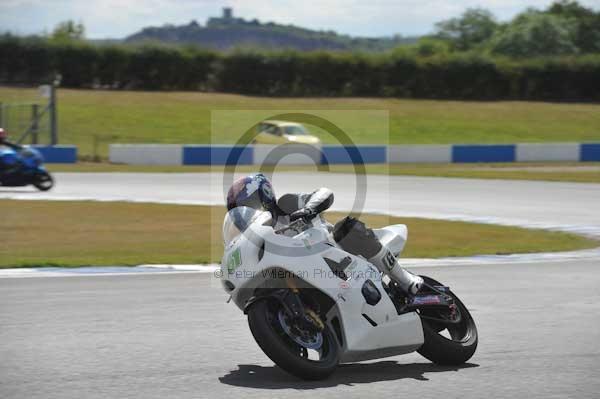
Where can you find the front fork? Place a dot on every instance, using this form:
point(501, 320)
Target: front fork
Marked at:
point(307, 316)
point(290, 300)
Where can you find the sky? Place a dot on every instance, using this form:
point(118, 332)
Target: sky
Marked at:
point(119, 18)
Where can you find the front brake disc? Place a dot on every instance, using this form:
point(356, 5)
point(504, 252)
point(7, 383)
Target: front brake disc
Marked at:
point(309, 341)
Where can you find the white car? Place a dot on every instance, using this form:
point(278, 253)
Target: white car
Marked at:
point(281, 132)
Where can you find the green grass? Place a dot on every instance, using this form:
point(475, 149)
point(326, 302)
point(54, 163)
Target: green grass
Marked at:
point(184, 117)
point(588, 172)
point(40, 233)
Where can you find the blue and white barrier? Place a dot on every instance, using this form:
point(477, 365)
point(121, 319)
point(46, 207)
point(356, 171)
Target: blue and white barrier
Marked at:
point(58, 153)
point(419, 154)
point(549, 152)
point(288, 154)
point(590, 152)
point(217, 155)
point(337, 154)
point(146, 154)
point(483, 153)
point(296, 154)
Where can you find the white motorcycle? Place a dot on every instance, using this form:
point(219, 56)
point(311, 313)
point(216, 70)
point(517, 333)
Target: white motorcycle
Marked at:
point(311, 305)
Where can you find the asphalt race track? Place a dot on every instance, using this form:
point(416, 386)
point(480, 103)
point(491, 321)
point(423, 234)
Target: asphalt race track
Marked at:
point(173, 335)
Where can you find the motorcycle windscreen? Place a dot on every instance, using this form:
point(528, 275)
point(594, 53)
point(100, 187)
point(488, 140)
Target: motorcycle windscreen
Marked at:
point(239, 219)
point(31, 157)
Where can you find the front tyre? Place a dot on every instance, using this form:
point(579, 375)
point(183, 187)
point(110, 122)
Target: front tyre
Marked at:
point(43, 181)
point(306, 357)
point(448, 344)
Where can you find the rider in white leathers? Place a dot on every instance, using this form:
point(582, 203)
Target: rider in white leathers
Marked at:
point(353, 236)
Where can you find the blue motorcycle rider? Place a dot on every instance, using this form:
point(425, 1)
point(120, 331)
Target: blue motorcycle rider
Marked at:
point(8, 161)
point(22, 166)
point(4, 141)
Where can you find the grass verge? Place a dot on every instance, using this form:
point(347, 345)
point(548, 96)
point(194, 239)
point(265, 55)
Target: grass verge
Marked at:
point(47, 233)
point(184, 117)
point(558, 171)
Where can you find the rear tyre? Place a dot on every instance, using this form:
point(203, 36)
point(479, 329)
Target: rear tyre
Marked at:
point(43, 181)
point(287, 353)
point(462, 341)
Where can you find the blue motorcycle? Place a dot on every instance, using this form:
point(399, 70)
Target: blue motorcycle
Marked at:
point(24, 166)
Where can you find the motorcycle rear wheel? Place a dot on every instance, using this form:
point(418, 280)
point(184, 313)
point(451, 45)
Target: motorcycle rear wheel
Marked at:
point(462, 342)
point(275, 342)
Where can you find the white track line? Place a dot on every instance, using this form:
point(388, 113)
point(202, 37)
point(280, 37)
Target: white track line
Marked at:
point(410, 263)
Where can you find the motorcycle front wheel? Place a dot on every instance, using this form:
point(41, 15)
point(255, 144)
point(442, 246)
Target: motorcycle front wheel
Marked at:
point(310, 356)
point(446, 343)
point(43, 181)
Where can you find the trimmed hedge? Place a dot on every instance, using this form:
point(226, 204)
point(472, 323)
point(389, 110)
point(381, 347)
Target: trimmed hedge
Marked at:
point(289, 73)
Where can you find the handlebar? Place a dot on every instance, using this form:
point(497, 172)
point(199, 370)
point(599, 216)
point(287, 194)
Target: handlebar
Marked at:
point(297, 225)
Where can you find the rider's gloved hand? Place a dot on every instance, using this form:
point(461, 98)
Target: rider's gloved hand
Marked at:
point(303, 213)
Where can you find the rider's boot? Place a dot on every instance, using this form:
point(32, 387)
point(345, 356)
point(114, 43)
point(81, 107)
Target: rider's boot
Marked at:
point(388, 264)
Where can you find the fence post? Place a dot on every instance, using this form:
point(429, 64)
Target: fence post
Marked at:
point(95, 156)
point(53, 116)
point(35, 123)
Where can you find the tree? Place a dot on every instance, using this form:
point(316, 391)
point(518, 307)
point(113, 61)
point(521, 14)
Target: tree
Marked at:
point(534, 33)
point(587, 30)
point(428, 46)
point(472, 28)
point(68, 31)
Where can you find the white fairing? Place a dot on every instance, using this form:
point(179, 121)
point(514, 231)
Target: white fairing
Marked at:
point(252, 256)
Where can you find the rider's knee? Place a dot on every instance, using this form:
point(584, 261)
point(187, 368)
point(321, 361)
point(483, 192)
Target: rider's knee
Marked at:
point(355, 237)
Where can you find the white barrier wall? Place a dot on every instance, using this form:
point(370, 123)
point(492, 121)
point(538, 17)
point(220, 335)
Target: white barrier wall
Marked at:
point(146, 154)
point(532, 152)
point(293, 154)
point(419, 154)
point(299, 154)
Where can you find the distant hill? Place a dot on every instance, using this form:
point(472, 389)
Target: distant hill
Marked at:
point(228, 32)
